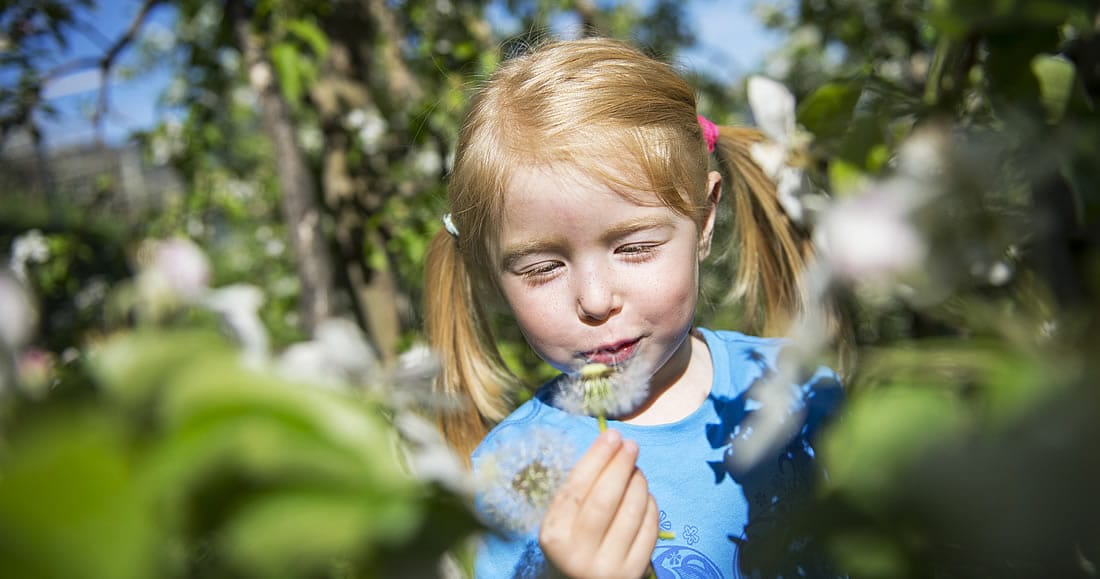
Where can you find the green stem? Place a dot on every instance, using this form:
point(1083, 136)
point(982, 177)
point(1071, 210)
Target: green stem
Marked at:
point(666, 535)
point(602, 420)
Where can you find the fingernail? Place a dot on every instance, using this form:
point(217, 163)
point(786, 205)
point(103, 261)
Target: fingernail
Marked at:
point(612, 437)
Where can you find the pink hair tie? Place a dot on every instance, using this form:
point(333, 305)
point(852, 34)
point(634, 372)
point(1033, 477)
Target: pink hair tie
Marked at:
point(710, 132)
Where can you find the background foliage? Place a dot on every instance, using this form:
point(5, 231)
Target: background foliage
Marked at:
point(312, 141)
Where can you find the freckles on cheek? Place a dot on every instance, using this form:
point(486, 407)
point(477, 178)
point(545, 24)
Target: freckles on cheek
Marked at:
point(671, 298)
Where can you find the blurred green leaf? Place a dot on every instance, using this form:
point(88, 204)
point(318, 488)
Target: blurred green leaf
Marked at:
point(882, 433)
point(308, 31)
point(827, 112)
point(310, 529)
point(1057, 77)
point(70, 506)
point(135, 366)
point(869, 555)
point(288, 68)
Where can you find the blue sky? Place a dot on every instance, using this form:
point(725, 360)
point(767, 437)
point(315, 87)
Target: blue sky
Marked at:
point(732, 43)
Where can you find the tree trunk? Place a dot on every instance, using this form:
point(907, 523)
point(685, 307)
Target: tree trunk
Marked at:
point(299, 196)
point(341, 89)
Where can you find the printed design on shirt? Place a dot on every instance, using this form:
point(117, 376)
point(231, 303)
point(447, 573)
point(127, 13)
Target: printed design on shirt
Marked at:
point(690, 534)
point(680, 562)
point(532, 564)
point(663, 522)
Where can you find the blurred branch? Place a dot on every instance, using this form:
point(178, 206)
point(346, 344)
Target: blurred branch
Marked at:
point(104, 63)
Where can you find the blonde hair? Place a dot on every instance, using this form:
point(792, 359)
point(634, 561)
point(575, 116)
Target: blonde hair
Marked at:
point(626, 119)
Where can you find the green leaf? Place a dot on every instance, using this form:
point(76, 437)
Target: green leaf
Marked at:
point(1056, 77)
point(308, 32)
point(868, 452)
point(285, 58)
point(134, 367)
point(70, 506)
point(827, 112)
point(300, 532)
point(845, 179)
point(868, 555)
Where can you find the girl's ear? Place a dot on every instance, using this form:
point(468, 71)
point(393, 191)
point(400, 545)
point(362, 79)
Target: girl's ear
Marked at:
point(714, 194)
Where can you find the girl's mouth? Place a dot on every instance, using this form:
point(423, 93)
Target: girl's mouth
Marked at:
point(611, 354)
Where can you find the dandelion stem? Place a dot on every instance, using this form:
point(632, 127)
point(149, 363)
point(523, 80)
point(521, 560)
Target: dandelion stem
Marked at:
point(602, 420)
point(666, 535)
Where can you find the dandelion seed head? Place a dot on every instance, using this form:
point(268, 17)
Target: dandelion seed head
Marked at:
point(602, 390)
point(518, 479)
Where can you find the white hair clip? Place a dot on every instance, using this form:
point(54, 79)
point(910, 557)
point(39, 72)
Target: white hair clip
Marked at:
point(449, 225)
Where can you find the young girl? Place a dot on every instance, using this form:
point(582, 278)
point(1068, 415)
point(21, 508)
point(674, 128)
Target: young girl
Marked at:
point(583, 199)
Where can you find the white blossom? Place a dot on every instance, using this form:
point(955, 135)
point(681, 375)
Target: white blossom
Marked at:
point(17, 313)
point(179, 267)
point(429, 457)
point(337, 357)
point(871, 237)
point(30, 247)
point(773, 109)
point(370, 126)
point(238, 305)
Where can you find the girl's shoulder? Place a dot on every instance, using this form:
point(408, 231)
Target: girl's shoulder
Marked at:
point(743, 359)
point(732, 340)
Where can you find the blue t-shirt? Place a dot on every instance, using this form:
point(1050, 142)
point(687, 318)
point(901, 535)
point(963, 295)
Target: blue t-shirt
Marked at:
point(715, 510)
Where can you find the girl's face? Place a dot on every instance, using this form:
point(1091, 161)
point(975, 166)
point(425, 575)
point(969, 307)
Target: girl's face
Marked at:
point(592, 276)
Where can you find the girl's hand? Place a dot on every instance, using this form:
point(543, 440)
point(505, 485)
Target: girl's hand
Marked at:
point(602, 522)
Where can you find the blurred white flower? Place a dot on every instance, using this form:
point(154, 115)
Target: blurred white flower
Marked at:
point(37, 371)
point(517, 480)
point(177, 266)
point(996, 273)
point(922, 156)
point(30, 247)
point(774, 112)
point(370, 125)
point(410, 383)
point(240, 190)
point(427, 161)
point(337, 357)
point(428, 455)
point(17, 314)
point(159, 37)
point(238, 305)
point(230, 60)
point(274, 247)
point(311, 138)
point(870, 237)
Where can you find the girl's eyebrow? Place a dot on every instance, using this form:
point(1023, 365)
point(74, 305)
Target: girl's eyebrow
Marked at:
point(527, 247)
point(518, 251)
point(637, 224)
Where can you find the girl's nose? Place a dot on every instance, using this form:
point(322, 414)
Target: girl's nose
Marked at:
point(596, 298)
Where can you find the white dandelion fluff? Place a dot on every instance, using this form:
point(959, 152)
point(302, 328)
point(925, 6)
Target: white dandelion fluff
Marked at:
point(600, 390)
point(518, 479)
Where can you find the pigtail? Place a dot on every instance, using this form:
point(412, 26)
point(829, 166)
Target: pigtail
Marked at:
point(472, 372)
point(772, 251)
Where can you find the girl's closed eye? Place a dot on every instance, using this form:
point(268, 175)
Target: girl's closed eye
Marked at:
point(540, 272)
point(638, 251)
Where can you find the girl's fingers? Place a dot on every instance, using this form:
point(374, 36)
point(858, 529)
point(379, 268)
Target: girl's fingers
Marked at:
point(629, 518)
point(604, 499)
point(562, 512)
point(640, 554)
